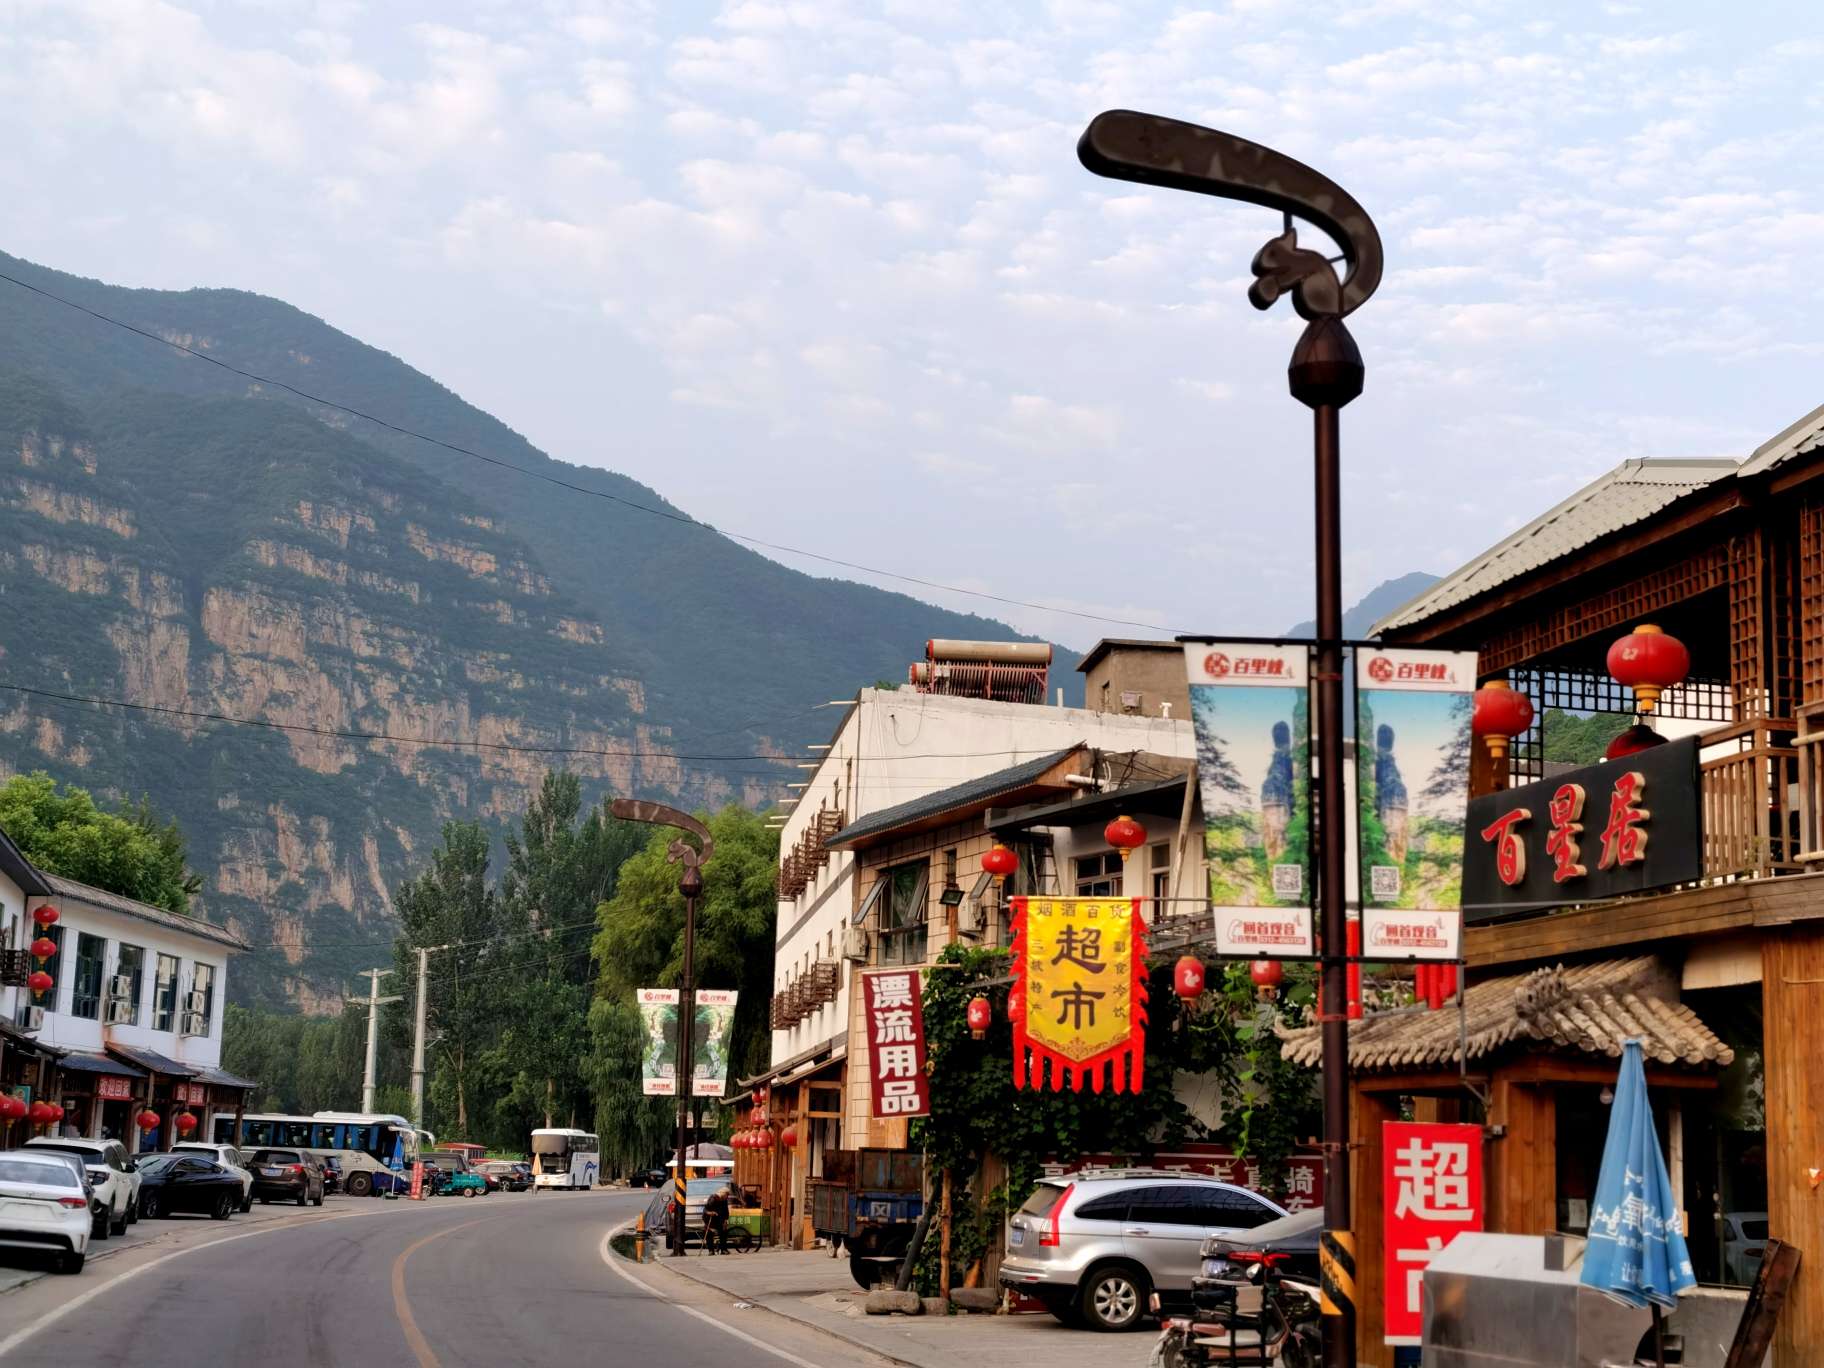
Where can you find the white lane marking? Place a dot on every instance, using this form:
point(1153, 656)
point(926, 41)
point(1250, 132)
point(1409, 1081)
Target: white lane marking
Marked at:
point(50, 1318)
point(609, 1259)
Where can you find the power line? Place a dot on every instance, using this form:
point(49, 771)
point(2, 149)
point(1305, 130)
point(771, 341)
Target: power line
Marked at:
point(670, 515)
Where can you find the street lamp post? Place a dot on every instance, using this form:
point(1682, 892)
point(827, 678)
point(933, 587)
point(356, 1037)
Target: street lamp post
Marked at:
point(1326, 372)
point(690, 885)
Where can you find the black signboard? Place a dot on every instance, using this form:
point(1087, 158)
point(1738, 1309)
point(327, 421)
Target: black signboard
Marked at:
point(1624, 826)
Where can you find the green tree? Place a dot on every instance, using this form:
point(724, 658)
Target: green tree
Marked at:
point(1580, 740)
point(62, 831)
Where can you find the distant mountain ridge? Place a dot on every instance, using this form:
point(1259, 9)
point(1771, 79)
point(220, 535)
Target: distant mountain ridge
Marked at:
point(1374, 605)
point(176, 536)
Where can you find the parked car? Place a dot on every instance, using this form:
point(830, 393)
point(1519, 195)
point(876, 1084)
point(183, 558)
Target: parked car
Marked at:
point(332, 1173)
point(506, 1176)
point(44, 1205)
point(188, 1183)
point(286, 1175)
point(1744, 1243)
point(112, 1173)
point(228, 1157)
point(1293, 1238)
point(1094, 1249)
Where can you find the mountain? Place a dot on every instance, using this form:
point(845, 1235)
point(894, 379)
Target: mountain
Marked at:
point(177, 536)
point(1375, 605)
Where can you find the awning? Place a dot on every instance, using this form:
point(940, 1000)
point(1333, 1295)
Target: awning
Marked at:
point(154, 1062)
point(799, 1066)
point(101, 1064)
point(17, 1039)
point(1155, 798)
point(221, 1078)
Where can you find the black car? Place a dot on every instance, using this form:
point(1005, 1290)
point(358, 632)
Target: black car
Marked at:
point(286, 1175)
point(1291, 1240)
point(173, 1183)
point(332, 1173)
point(652, 1177)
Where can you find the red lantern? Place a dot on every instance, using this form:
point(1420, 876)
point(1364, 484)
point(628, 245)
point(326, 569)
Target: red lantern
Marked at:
point(45, 916)
point(788, 1138)
point(1500, 714)
point(1633, 741)
point(760, 1096)
point(764, 1139)
point(756, 1117)
point(1267, 976)
point(738, 1140)
point(980, 1014)
point(40, 982)
point(43, 948)
point(1187, 978)
point(1000, 862)
point(44, 1113)
point(185, 1123)
point(12, 1108)
point(148, 1120)
point(1016, 1004)
point(1125, 835)
point(1649, 662)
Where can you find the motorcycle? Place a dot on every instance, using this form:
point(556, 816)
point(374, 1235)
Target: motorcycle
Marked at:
point(1283, 1332)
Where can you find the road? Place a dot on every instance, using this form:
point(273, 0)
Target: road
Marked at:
point(508, 1279)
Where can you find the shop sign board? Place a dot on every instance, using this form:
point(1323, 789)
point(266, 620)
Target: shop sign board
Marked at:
point(893, 1000)
point(1412, 789)
point(1304, 1172)
point(190, 1094)
point(1251, 714)
point(1079, 965)
point(113, 1087)
point(1623, 826)
point(1431, 1189)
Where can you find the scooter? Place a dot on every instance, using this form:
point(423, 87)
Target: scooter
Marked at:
point(1284, 1331)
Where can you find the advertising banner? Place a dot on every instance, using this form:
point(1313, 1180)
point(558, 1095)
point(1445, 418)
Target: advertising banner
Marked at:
point(1431, 1188)
point(1079, 968)
point(1624, 826)
point(894, 1003)
point(1412, 711)
point(715, 1012)
point(1250, 707)
point(1304, 1186)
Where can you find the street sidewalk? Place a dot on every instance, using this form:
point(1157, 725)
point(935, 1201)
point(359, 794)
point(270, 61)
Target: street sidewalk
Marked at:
point(813, 1289)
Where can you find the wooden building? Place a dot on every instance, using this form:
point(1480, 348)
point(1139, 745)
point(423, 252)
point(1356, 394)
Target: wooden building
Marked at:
point(1729, 558)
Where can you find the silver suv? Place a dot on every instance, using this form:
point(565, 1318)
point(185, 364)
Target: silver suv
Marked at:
point(1093, 1248)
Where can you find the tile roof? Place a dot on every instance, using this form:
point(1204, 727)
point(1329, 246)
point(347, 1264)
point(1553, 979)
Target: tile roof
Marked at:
point(1630, 493)
point(945, 800)
point(1587, 1008)
point(154, 1062)
point(132, 907)
point(94, 1063)
point(1803, 437)
point(221, 1078)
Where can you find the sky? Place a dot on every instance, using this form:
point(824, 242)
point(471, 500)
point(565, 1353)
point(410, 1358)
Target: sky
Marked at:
point(830, 274)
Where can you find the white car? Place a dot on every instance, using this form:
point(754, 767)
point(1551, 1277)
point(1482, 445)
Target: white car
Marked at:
point(43, 1206)
point(229, 1158)
point(112, 1174)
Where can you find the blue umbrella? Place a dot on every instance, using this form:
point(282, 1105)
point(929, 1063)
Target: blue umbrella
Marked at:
point(1636, 1252)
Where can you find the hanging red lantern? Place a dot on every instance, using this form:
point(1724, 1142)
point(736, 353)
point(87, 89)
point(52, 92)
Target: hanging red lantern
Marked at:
point(1649, 662)
point(979, 1015)
point(43, 948)
point(760, 1096)
point(12, 1108)
point(148, 1120)
point(1187, 978)
point(738, 1140)
point(788, 1138)
point(185, 1123)
point(1000, 862)
point(764, 1139)
point(756, 1117)
point(44, 1113)
point(1016, 1004)
point(46, 916)
point(1500, 713)
point(1633, 741)
point(1267, 976)
point(40, 982)
point(1125, 835)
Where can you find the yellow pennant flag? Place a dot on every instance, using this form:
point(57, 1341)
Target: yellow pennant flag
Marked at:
point(1079, 968)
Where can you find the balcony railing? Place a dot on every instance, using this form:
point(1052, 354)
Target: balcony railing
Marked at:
point(1754, 800)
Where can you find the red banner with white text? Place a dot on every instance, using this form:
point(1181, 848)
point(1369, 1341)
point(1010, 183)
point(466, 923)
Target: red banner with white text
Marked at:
point(895, 1018)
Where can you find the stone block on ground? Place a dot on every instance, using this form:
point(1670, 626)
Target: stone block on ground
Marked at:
point(975, 1299)
point(936, 1306)
point(885, 1301)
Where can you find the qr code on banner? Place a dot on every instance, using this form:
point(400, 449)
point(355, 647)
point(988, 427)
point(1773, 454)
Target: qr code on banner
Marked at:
point(1384, 881)
point(1288, 881)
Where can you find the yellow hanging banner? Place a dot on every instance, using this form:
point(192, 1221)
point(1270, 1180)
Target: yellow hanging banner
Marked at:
point(1079, 968)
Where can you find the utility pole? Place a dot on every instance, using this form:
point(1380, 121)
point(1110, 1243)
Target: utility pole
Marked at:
point(373, 1002)
point(424, 976)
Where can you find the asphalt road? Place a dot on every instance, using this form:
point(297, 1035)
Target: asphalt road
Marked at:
point(508, 1279)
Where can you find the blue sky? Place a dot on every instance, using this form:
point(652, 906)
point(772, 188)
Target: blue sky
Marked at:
point(831, 274)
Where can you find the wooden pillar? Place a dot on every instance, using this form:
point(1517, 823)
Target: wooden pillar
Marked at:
point(1792, 1003)
point(1521, 1172)
point(1367, 1111)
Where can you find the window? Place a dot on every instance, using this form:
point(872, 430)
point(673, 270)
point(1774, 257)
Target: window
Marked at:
point(49, 1000)
point(1099, 876)
point(164, 994)
point(202, 986)
point(1165, 1206)
point(1110, 1208)
point(91, 954)
point(1162, 877)
point(1234, 1210)
point(902, 914)
point(131, 966)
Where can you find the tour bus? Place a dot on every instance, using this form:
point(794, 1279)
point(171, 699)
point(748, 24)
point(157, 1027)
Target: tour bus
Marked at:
point(563, 1158)
point(376, 1150)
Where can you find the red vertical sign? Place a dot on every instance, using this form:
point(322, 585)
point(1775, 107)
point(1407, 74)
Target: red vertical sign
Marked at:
point(896, 1043)
point(1431, 1188)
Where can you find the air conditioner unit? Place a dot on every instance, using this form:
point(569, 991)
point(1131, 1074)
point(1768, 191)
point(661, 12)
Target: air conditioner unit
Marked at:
point(194, 1024)
point(120, 1012)
point(855, 944)
point(971, 918)
point(121, 986)
point(196, 1004)
point(34, 1018)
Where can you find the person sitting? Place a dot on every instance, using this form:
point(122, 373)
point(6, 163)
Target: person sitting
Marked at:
point(715, 1222)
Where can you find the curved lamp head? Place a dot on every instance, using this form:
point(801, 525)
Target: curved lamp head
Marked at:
point(1151, 150)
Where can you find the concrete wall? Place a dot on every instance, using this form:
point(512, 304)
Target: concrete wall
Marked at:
point(1155, 673)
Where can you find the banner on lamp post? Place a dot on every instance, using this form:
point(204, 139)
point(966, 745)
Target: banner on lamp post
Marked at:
point(1412, 750)
point(1431, 1189)
point(893, 1002)
point(1079, 965)
point(1250, 710)
point(709, 1032)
